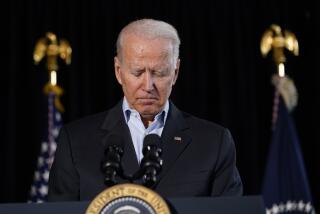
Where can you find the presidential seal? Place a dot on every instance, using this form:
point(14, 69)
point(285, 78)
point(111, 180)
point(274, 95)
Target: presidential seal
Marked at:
point(128, 199)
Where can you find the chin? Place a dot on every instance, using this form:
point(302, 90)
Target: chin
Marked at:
point(148, 110)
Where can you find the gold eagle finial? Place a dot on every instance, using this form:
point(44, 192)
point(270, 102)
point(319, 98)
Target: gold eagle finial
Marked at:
point(51, 48)
point(276, 39)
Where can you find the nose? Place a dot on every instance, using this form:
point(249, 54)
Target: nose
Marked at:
point(148, 82)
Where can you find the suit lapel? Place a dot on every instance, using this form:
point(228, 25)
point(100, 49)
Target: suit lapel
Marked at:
point(114, 123)
point(174, 138)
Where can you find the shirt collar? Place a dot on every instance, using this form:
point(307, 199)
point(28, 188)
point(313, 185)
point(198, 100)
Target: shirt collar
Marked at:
point(127, 111)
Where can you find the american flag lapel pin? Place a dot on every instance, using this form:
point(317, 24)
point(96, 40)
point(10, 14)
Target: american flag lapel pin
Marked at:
point(177, 139)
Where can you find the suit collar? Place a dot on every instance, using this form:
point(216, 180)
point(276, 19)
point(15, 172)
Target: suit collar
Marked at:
point(114, 123)
point(174, 138)
point(176, 118)
point(113, 118)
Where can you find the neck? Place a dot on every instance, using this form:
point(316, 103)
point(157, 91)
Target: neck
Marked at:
point(147, 120)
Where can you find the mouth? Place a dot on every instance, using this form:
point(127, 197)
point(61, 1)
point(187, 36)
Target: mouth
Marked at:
point(147, 101)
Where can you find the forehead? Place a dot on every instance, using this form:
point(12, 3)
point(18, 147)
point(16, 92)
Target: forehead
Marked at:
point(134, 46)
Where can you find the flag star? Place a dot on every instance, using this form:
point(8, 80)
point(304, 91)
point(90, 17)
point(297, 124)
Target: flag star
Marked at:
point(289, 206)
point(49, 161)
point(46, 175)
point(58, 116)
point(43, 190)
point(281, 207)
point(301, 205)
point(53, 147)
point(268, 211)
point(294, 205)
point(44, 146)
point(308, 207)
point(275, 209)
point(40, 161)
point(55, 132)
point(37, 175)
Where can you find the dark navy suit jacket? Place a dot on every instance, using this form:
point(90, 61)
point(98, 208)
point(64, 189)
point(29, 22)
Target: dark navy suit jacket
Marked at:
point(199, 157)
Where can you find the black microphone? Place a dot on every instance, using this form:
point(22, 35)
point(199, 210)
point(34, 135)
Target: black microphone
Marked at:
point(111, 164)
point(151, 162)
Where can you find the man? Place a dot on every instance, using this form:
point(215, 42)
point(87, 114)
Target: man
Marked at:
point(198, 156)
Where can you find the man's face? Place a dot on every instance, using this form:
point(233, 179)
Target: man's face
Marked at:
point(146, 71)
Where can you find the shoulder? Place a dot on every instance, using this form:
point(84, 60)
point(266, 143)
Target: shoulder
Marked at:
point(198, 127)
point(94, 126)
point(92, 121)
point(197, 122)
point(83, 135)
point(205, 131)
point(192, 121)
point(98, 120)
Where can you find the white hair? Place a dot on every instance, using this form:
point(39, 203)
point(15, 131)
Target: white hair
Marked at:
point(150, 29)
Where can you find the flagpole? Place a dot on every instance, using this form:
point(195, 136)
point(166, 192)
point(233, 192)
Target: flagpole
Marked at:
point(51, 49)
point(285, 187)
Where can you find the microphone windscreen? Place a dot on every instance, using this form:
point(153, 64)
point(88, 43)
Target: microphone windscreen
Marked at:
point(152, 140)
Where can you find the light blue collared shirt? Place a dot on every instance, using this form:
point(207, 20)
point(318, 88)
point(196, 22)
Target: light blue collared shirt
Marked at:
point(137, 129)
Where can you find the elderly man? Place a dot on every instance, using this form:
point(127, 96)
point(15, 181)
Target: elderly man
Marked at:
point(199, 157)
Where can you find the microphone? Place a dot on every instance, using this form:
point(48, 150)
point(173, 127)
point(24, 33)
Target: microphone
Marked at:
point(151, 162)
point(111, 164)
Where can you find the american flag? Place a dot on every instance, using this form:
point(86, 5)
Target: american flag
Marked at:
point(285, 187)
point(39, 188)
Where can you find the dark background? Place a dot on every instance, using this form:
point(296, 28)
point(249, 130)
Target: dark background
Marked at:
point(223, 77)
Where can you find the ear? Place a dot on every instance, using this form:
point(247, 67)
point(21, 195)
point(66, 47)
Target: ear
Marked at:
point(176, 72)
point(117, 69)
